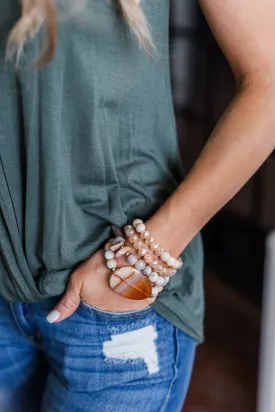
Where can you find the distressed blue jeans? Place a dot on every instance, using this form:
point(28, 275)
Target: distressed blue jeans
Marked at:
point(95, 361)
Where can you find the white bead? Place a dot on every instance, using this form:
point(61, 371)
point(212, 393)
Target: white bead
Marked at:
point(132, 259)
point(155, 292)
point(140, 228)
point(109, 254)
point(170, 261)
point(167, 279)
point(140, 264)
point(147, 271)
point(153, 277)
point(111, 263)
point(137, 222)
point(160, 281)
point(165, 256)
point(178, 264)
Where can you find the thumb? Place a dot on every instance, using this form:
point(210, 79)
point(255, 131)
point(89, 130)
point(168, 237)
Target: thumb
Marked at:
point(68, 303)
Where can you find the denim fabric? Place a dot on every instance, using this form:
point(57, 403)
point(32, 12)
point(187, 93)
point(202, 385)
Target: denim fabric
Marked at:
point(95, 361)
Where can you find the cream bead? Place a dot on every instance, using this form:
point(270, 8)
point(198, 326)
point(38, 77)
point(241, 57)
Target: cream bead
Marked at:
point(155, 292)
point(151, 240)
point(152, 246)
point(133, 238)
point(140, 228)
point(153, 277)
point(160, 281)
point(165, 256)
point(145, 234)
point(109, 254)
point(138, 244)
point(178, 264)
point(111, 263)
point(170, 262)
point(137, 222)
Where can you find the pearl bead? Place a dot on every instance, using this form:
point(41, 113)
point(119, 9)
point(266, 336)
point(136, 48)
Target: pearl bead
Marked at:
point(128, 227)
point(142, 252)
point(138, 244)
point(156, 249)
point(109, 254)
point(175, 264)
point(133, 238)
point(153, 277)
point(137, 222)
point(145, 234)
point(178, 264)
point(160, 281)
point(140, 228)
point(151, 239)
point(147, 271)
point(155, 292)
point(171, 261)
point(164, 272)
point(132, 259)
point(111, 263)
point(165, 256)
point(129, 232)
point(140, 264)
point(167, 279)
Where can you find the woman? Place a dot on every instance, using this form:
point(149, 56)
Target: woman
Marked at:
point(87, 141)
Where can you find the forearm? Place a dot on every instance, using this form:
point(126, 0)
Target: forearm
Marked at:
point(242, 140)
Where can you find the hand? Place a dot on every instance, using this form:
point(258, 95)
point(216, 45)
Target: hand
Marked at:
point(90, 282)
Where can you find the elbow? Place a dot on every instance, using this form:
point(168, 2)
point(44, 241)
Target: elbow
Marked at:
point(260, 79)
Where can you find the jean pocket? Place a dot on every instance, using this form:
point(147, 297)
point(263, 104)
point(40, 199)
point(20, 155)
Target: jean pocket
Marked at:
point(115, 315)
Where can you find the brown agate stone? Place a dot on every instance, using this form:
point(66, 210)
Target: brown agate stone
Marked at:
point(131, 283)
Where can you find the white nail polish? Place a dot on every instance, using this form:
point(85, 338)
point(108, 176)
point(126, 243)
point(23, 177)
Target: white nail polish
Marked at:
point(53, 316)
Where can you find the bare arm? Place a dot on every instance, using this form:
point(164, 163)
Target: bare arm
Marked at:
point(245, 135)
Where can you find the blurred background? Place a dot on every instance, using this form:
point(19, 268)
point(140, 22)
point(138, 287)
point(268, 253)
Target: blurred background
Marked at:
point(226, 370)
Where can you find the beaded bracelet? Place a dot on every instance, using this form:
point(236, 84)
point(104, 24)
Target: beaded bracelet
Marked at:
point(139, 228)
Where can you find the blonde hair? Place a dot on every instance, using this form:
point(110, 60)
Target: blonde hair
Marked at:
point(35, 13)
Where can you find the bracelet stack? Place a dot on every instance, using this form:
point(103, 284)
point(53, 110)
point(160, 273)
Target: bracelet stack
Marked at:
point(151, 266)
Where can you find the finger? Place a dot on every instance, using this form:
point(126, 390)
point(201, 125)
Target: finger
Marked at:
point(69, 302)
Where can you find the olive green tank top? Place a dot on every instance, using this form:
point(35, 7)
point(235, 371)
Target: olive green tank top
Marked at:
point(87, 142)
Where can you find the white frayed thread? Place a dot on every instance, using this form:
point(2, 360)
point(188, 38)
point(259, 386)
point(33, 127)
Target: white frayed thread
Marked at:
point(137, 344)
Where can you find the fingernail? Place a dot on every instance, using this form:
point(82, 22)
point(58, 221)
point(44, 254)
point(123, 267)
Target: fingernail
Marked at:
point(53, 316)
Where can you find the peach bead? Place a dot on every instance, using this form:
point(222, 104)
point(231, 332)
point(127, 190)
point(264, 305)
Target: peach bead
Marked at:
point(148, 258)
point(145, 234)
